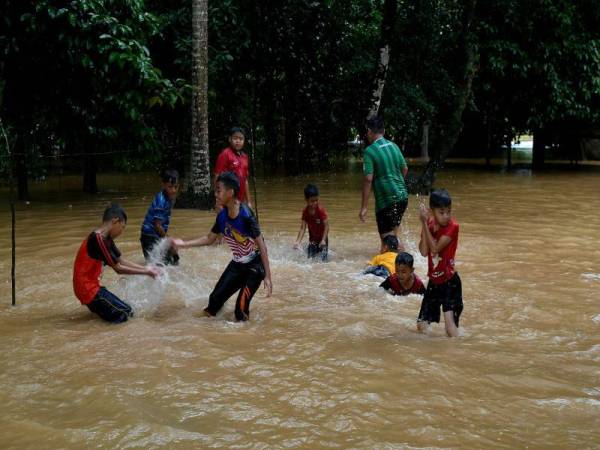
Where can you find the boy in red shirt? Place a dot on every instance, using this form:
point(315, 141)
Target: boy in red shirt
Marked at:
point(439, 240)
point(404, 281)
point(96, 251)
point(315, 218)
point(233, 159)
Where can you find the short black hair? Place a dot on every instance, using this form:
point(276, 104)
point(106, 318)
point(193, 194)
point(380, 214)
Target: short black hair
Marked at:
point(375, 124)
point(391, 242)
point(440, 198)
point(230, 181)
point(114, 211)
point(234, 130)
point(311, 191)
point(170, 176)
point(405, 259)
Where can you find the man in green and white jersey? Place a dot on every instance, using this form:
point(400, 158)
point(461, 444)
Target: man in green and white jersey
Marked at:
point(384, 168)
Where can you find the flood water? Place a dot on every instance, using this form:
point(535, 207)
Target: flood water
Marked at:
point(330, 360)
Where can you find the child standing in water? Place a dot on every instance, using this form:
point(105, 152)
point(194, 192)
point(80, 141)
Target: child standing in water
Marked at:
point(250, 264)
point(384, 264)
point(234, 159)
point(99, 249)
point(158, 217)
point(404, 281)
point(439, 240)
point(314, 217)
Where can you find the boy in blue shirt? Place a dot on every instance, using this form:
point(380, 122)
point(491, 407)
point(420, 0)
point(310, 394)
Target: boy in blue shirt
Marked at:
point(158, 217)
point(250, 264)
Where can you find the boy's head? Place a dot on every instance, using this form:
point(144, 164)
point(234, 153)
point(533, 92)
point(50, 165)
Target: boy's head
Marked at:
point(404, 266)
point(390, 243)
point(375, 127)
point(114, 216)
point(237, 138)
point(311, 195)
point(228, 186)
point(440, 203)
point(170, 182)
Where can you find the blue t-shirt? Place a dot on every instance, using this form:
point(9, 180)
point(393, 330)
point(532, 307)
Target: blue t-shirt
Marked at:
point(239, 233)
point(160, 209)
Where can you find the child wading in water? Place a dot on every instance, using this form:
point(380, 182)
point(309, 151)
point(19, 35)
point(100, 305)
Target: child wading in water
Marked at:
point(314, 217)
point(439, 240)
point(99, 249)
point(404, 281)
point(250, 264)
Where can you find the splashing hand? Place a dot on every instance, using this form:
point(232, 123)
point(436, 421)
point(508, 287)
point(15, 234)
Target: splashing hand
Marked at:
point(154, 272)
point(296, 245)
point(423, 213)
point(268, 286)
point(175, 242)
point(362, 214)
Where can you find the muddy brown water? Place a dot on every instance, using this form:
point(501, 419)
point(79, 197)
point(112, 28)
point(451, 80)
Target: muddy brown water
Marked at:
point(330, 360)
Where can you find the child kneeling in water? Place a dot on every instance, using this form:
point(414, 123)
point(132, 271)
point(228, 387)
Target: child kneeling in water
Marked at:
point(250, 264)
point(99, 249)
point(404, 281)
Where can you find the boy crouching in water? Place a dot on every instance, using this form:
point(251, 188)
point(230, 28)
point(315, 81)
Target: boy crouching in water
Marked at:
point(99, 249)
point(250, 264)
point(439, 240)
point(404, 280)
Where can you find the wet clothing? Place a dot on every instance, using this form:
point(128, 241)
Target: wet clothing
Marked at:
point(171, 257)
point(237, 276)
point(160, 210)
point(448, 295)
point(393, 285)
point(390, 217)
point(441, 267)
point(110, 307)
point(246, 271)
point(383, 159)
point(314, 250)
point(239, 233)
point(94, 252)
point(315, 223)
point(231, 161)
point(379, 271)
point(387, 260)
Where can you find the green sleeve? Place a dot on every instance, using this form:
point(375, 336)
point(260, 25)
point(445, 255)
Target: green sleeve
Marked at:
point(367, 163)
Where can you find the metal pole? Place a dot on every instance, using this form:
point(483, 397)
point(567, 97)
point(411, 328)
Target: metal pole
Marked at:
point(12, 213)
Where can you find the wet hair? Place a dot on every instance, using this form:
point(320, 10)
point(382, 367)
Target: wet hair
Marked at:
point(375, 124)
point(114, 211)
point(230, 181)
point(405, 259)
point(391, 242)
point(311, 191)
point(234, 130)
point(440, 198)
point(170, 176)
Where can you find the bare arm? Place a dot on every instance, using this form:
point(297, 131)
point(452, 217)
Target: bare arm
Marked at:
point(130, 268)
point(325, 233)
point(428, 244)
point(159, 228)
point(209, 239)
point(366, 191)
point(264, 257)
point(404, 171)
point(300, 234)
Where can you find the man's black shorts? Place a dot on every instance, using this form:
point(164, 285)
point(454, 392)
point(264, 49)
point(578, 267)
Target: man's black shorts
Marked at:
point(390, 217)
point(448, 295)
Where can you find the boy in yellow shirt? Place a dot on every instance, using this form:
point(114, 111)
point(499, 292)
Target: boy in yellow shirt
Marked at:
point(384, 264)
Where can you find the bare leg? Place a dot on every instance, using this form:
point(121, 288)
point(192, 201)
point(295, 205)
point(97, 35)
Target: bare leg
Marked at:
point(451, 328)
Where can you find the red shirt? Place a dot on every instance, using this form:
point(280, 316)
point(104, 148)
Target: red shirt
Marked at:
point(393, 283)
point(230, 161)
point(441, 268)
point(316, 223)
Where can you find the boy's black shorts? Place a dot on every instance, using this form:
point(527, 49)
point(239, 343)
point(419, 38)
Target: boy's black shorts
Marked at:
point(448, 295)
point(390, 217)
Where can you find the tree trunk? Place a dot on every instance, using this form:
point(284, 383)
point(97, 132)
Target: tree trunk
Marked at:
point(538, 151)
point(199, 184)
point(390, 11)
point(444, 140)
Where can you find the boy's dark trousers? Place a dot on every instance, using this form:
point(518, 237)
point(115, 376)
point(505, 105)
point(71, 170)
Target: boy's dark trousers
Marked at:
point(148, 242)
point(237, 276)
point(110, 307)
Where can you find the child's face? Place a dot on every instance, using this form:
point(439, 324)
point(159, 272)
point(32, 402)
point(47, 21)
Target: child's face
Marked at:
point(236, 140)
point(442, 216)
point(116, 228)
point(404, 272)
point(171, 190)
point(312, 202)
point(223, 194)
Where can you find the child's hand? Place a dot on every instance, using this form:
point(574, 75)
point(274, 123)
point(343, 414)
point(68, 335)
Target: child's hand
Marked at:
point(362, 214)
point(296, 245)
point(175, 242)
point(154, 272)
point(423, 213)
point(268, 286)
point(322, 244)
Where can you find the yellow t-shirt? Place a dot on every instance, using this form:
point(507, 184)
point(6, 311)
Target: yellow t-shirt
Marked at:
point(387, 260)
